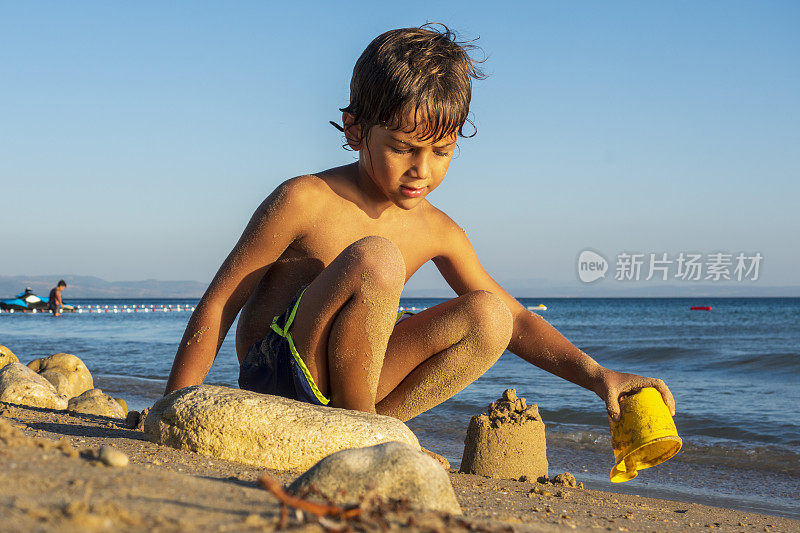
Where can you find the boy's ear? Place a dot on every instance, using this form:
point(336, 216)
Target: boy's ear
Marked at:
point(352, 131)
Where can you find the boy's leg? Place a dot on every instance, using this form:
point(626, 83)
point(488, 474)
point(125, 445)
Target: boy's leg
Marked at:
point(344, 320)
point(435, 353)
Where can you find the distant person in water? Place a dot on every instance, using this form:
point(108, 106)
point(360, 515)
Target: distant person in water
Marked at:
point(55, 302)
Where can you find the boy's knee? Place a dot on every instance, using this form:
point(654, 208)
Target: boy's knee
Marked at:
point(491, 317)
point(379, 259)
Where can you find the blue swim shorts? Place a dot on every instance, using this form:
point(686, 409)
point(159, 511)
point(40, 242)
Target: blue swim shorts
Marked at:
point(273, 365)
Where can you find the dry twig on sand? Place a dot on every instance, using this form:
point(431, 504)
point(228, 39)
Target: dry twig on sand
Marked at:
point(319, 510)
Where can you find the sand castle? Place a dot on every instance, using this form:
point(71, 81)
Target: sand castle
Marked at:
point(507, 441)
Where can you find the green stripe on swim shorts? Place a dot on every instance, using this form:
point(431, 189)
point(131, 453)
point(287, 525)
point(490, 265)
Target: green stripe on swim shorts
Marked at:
point(284, 332)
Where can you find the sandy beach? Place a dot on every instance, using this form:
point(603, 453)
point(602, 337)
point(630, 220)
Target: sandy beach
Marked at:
point(51, 479)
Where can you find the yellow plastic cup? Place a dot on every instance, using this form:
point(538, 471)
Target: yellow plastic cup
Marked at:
point(645, 434)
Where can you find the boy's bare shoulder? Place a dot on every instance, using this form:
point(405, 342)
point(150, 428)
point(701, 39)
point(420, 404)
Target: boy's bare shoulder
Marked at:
point(441, 222)
point(300, 192)
point(300, 188)
point(447, 231)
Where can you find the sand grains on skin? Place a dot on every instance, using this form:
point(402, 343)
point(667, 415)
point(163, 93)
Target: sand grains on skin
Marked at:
point(381, 309)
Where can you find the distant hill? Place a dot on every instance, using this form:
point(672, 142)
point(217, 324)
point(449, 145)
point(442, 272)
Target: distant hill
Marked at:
point(92, 287)
point(605, 289)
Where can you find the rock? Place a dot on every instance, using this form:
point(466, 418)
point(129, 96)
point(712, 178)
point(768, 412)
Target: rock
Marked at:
point(392, 470)
point(112, 456)
point(264, 430)
point(566, 479)
point(132, 419)
point(22, 386)
point(122, 403)
point(142, 418)
point(96, 402)
point(7, 356)
point(507, 441)
point(66, 372)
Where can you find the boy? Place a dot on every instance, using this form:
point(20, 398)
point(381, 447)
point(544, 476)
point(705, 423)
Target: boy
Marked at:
point(319, 269)
point(54, 302)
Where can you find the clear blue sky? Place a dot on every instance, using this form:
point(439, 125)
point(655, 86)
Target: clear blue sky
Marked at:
point(137, 138)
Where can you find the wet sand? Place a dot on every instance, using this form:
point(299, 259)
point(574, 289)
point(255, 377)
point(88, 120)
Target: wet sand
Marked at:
point(49, 486)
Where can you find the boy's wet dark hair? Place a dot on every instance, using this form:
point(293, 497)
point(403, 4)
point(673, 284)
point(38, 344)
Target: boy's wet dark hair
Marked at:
point(421, 72)
point(62, 283)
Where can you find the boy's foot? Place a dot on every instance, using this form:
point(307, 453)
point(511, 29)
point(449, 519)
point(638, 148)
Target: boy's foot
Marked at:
point(439, 459)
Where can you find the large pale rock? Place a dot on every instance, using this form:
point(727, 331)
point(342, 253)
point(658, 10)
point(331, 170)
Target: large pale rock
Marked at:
point(7, 356)
point(66, 372)
point(22, 386)
point(507, 441)
point(96, 402)
point(392, 470)
point(264, 430)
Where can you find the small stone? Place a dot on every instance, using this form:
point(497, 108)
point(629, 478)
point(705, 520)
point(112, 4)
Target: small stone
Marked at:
point(566, 479)
point(392, 470)
point(96, 402)
point(132, 419)
point(66, 372)
point(112, 456)
point(22, 386)
point(7, 356)
point(122, 404)
point(254, 520)
point(142, 418)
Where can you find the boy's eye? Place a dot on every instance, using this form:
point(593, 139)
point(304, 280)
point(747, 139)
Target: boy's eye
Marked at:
point(440, 153)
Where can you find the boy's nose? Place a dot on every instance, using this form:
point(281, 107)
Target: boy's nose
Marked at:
point(421, 167)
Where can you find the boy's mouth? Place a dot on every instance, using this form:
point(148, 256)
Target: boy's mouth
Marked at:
point(412, 192)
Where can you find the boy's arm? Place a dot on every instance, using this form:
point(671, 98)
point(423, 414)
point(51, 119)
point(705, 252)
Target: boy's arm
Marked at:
point(533, 339)
point(277, 222)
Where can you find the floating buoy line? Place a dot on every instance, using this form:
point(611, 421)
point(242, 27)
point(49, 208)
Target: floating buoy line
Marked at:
point(144, 308)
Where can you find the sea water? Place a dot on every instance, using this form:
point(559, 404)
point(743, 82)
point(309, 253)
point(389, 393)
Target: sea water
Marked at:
point(734, 372)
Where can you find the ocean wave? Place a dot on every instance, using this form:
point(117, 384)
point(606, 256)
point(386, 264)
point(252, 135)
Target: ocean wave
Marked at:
point(772, 458)
point(783, 362)
point(644, 354)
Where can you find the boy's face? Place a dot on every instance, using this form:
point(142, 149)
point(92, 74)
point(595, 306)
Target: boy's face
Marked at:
point(404, 168)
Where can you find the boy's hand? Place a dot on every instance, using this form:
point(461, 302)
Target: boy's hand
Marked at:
point(613, 384)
